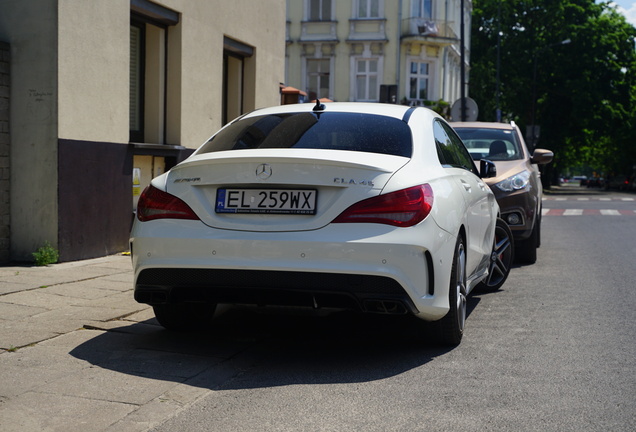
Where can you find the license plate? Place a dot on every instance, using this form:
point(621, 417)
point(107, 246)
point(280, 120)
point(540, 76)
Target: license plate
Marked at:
point(274, 201)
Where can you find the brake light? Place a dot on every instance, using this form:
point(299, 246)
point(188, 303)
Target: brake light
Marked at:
point(403, 208)
point(156, 204)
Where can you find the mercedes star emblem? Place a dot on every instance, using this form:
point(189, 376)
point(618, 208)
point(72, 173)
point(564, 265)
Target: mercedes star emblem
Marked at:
point(263, 171)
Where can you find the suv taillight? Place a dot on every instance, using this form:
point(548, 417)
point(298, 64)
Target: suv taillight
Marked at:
point(403, 208)
point(156, 204)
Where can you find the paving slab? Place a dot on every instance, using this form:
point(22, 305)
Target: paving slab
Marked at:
point(78, 353)
point(29, 369)
point(39, 298)
point(35, 411)
point(97, 383)
point(12, 312)
point(88, 289)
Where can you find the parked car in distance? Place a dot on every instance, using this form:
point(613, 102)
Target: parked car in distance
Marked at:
point(517, 185)
point(621, 182)
point(582, 180)
point(377, 208)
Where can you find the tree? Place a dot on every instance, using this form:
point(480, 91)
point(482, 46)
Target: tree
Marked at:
point(582, 94)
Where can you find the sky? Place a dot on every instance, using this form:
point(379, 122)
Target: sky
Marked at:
point(627, 8)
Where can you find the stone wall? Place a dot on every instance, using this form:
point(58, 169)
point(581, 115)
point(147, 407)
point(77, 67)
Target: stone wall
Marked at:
point(5, 157)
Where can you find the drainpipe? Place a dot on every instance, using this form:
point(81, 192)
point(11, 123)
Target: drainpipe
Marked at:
point(399, 52)
point(445, 57)
point(463, 65)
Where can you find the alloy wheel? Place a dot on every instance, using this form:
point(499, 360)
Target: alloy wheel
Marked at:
point(501, 257)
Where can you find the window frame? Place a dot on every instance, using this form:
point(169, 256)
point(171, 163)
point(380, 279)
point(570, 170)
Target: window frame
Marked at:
point(328, 74)
point(144, 13)
point(138, 82)
point(369, 7)
point(367, 97)
point(321, 10)
point(419, 9)
point(234, 50)
point(418, 76)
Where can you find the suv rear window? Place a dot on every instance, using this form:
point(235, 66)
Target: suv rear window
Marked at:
point(331, 131)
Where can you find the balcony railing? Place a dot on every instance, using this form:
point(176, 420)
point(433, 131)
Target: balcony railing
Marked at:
point(318, 31)
point(367, 29)
point(429, 28)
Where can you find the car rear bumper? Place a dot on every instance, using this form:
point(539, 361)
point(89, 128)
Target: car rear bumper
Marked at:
point(365, 293)
point(370, 268)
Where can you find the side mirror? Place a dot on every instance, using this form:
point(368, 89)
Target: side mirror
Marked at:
point(541, 156)
point(487, 169)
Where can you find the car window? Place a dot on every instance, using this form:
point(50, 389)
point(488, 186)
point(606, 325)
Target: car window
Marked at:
point(450, 149)
point(333, 131)
point(492, 144)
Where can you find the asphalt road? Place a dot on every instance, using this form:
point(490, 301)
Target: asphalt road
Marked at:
point(553, 350)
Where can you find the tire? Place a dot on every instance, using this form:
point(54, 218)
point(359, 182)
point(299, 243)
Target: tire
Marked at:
point(526, 250)
point(538, 228)
point(450, 329)
point(183, 317)
point(501, 258)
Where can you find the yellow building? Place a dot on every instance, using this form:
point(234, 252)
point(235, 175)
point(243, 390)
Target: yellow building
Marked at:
point(97, 97)
point(400, 51)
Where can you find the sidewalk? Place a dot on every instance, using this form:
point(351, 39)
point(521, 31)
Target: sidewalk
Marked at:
point(39, 303)
point(77, 353)
point(572, 189)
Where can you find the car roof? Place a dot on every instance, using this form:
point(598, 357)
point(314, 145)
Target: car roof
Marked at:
point(384, 109)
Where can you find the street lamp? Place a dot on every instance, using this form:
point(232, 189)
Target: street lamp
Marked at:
point(533, 136)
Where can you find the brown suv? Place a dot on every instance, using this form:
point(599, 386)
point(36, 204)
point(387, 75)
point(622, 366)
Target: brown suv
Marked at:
point(517, 185)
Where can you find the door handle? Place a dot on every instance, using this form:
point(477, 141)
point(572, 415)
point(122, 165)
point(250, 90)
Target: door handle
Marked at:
point(466, 185)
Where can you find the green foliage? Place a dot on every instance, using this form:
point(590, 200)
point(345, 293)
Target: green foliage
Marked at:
point(440, 106)
point(46, 255)
point(582, 94)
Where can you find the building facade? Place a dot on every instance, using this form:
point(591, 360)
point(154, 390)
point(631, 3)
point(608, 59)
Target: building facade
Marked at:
point(396, 51)
point(101, 96)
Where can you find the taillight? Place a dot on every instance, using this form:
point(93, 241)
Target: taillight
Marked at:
point(403, 208)
point(156, 204)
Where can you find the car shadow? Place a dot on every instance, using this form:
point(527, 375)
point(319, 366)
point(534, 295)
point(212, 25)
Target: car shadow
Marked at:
point(286, 347)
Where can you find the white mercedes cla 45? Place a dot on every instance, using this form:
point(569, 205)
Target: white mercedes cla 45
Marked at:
point(372, 207)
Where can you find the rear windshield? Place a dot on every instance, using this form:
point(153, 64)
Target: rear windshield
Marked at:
point(492, 144)
point(332, 131)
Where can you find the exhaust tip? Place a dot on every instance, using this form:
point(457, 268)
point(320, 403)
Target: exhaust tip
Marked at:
point(390, 307)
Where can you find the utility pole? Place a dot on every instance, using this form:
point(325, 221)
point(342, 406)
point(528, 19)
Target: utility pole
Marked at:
point(463, 64)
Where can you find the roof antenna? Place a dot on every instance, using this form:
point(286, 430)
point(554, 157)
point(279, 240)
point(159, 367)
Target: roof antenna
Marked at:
point(319, 106)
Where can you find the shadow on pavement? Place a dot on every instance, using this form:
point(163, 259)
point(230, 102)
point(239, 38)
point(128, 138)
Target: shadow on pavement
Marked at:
point(289, 348)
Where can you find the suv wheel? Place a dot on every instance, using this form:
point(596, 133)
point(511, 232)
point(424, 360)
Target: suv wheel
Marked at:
point(526, 250)
point(500, 259)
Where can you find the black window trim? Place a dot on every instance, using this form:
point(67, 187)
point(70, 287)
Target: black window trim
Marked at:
point(145, 12)
point(137, 135)
point(238, 48)
point(154, 13)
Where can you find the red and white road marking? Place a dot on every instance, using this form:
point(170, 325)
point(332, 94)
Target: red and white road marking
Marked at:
point(587, 212)
point(600, 198)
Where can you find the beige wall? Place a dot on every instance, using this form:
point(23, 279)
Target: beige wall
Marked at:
point(93, 70)
point(94, 75)
point(70, 81)
point(259, 24)
point(31, 28)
